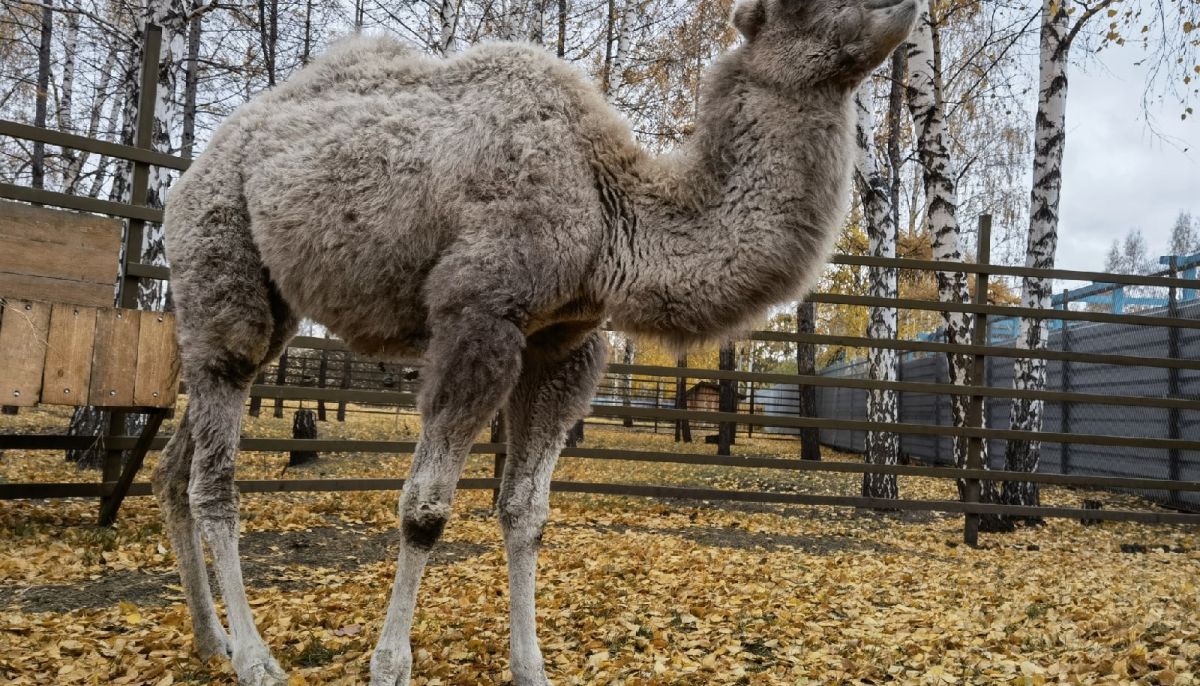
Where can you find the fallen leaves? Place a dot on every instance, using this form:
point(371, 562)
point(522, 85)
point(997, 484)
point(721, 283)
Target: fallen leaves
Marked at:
point(632, 592)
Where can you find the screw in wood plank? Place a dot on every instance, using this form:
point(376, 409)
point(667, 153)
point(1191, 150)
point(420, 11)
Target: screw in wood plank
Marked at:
point(16, 394)
point(112, 391)
point(67, 391)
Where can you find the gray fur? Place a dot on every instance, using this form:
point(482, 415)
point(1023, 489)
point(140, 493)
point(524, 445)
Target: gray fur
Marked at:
point(489, 211)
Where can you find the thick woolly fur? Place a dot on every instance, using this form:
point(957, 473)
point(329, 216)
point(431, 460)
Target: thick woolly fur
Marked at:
point(490, 211)
point(379, 186)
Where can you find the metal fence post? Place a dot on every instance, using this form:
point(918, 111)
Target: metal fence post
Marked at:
point(139, 189)
point(973, 488)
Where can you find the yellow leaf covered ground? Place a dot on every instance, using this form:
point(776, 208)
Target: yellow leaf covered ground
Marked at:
point(632, 591)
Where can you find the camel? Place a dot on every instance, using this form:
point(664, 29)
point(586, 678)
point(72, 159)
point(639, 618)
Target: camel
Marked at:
point(489, 212)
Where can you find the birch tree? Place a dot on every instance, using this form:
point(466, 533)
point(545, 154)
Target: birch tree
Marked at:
point(938, 175)
point(882, 447)
point(1057, 33)
point(806, 364)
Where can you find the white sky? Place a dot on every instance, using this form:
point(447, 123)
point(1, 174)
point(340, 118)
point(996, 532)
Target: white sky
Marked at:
point(1117, 173)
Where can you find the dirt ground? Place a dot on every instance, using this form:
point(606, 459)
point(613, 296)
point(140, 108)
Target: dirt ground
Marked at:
point(631, 590)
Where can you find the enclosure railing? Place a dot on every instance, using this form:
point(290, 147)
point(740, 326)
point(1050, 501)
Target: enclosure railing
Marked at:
point(1184, 449)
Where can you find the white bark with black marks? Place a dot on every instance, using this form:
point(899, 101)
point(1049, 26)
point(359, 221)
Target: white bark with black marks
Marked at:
point(1049, 143)
point(882, 447)
point(172, 17)
point(938, 174)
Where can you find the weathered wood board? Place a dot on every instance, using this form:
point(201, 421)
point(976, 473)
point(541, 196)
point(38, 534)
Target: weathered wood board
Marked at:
point(157, 380)
point(23, 330)
point(69, 346)
point(62, 354)
point(58, 256)
point(114, 360)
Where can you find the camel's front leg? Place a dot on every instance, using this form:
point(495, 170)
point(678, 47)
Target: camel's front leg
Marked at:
point(473, 362)
point(553, 393)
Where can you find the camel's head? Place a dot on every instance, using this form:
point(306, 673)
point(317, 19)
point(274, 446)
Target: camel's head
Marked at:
point(801, 43)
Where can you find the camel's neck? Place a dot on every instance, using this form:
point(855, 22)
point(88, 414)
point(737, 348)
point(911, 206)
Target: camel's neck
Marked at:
point(739, 219)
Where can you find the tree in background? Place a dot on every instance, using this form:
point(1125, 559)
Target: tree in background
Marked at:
point(1058, 31)
point(874, 193)
point(1185, 236)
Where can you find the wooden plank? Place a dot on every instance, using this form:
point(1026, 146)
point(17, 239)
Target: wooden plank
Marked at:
point(68, 369)
point(114, 360)
point(157, 378)
point(58, 256)
point(57, 290)
point(23, 332)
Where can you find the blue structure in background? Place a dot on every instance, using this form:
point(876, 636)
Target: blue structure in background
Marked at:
point(1006, 328)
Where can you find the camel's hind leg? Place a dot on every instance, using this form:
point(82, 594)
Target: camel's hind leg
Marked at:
point(557, 381)
point(170, 484)
point(231, 320)
point(170, 487)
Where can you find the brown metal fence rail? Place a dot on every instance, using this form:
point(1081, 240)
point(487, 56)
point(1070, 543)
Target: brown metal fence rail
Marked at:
point(137, 213)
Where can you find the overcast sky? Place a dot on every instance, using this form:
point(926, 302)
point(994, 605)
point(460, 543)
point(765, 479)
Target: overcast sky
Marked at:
point(1117, 174)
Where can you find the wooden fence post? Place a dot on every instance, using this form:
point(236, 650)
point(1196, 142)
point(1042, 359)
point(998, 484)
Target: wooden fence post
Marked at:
point(1174, 472)
point(978, 367)
point(1064, 462)
point(127, 284)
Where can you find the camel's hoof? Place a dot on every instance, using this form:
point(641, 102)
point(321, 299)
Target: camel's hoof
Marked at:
point(258, 668)
point(215, 643)
point(538, 679)
point(389, 668)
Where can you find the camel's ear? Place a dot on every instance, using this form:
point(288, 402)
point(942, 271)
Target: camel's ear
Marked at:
point(748, 17)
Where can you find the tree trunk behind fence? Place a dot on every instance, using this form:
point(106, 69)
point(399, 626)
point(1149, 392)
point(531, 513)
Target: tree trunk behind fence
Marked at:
point(256, 400)
point(727, 399)
point(939, 175)
point(575, 435)
point(627, 379)
point(806, 364)
point(41, 95)
point(346, 370)
point(1049, 143)
point(683, 430)
point(882, 447)
point(303, 426)
point(322, 370)
point(281, 380)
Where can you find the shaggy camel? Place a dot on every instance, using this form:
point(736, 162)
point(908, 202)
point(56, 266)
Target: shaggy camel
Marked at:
point(489, 211)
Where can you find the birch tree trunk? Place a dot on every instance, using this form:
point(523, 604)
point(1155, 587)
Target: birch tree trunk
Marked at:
point(882, 447)
point(191, 77)
point(99, 99)
point(171, 16)
point(43, 92)
point(627, 379)
point(726, 399)
point(445, 21)
point(616, 76)
point(1049, 142)
point(806, 363)
point(938, 176)
point(63, 113)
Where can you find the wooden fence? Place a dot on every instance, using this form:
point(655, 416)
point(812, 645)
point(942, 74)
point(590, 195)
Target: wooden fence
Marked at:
point(1187, 448)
